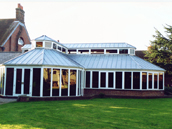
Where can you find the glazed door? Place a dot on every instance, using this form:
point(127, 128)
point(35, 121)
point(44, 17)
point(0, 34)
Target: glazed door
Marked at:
point(22, 81)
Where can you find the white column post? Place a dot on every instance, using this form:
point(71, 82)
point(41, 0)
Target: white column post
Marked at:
point(89, 51)
point(31, 81)
point(158, 81)
point(43, 44)
point(132, 80)
point(5, 80)
point(114, 80)
point(14, 82)
point(104, 51)
point(91, 73)
point(41, 83)
point(123, 79)
point(140, 80)
point(60, 82)
point(77, 82)
point(99, 79)
point(107, 79)
point(147, 80)
point(22, 84)
point(152, 80)
point(68, 82)
point(163, 80)
point(51, 84)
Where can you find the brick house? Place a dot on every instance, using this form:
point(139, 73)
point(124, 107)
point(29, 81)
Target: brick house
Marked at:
point(13, 32)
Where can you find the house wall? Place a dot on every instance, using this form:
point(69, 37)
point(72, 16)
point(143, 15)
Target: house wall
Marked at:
point(12, 43)
point(123, 93)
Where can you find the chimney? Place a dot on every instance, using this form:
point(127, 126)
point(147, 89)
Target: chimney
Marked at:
point(20, 14)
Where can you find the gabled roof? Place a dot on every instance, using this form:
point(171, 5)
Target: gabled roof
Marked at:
point(113, 61)
point(5, 56)
point(41, 56)
point(98, 45)
point(7, 28)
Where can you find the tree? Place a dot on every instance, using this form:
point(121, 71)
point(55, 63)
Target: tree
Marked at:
point(160, 51)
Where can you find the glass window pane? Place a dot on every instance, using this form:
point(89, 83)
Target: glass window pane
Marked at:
point(63, 50)
point(150, 80)
point(36, 82)
point(87, 79)
point(26, 81)
point(83, 51)
point(119, 80)
point(3, 77)
point(18, 81)
point(123, 51)
point(95, 79)
point(39, 44)
point(110, 80)
point(48, 44)
point(72, 51)
point(155, 80)
point(144, 80)
point(127, 80)
point(136, 80)
point(46, 81)
point(72, 82)
point(59, 48)
point(56, 82)
point(111, 51)
point(103, 79)
point(54, 46)
point(0, 80)
point(9, 81)
point(160, 80)
point(64, 86)
point(97, 51)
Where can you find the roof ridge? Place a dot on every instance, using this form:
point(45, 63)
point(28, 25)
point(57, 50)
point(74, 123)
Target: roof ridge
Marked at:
point(135, 61)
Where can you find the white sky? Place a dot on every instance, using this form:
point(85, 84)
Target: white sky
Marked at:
point(93, 22)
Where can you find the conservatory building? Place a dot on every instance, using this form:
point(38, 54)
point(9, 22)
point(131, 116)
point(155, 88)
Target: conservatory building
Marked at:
point(48, 68)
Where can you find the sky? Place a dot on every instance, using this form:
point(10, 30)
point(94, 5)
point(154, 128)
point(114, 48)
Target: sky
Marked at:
point(93, 21)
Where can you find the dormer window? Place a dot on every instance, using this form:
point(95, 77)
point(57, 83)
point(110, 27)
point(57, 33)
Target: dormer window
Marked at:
point(83, 51)
point(63, 50)
point(59, 48)
point(97, 51)
point(48, 44)
point(39, 44)
point(54, 46)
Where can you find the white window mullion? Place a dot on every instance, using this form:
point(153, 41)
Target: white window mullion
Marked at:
point(158, 81)
point(5, 80)
point(153, 81)
point(163, 81)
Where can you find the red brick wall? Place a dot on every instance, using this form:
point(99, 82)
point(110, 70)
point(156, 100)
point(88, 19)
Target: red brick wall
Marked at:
point(14, 40)
point(131, 93)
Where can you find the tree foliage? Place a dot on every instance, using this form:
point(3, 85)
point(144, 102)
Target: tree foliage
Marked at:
point(160, 50)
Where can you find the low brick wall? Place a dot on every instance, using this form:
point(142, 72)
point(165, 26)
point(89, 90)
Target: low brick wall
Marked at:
point(124, 93)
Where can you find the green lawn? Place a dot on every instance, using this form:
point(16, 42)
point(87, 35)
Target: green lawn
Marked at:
point(85, 114)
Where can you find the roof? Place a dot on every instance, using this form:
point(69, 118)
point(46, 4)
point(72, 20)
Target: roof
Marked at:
point(98, 45)
point(46, 38)
point(27, 46)
point(41, 56)
point(5, 56)
point(6, 26)
point(113, 61)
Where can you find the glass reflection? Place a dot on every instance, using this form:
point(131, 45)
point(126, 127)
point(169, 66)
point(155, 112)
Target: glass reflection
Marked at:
point(72, 82)
point(64, 86)
point(46, 81)
point(56, 82)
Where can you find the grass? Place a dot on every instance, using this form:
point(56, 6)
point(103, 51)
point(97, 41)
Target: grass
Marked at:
point(103, 113)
